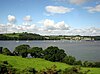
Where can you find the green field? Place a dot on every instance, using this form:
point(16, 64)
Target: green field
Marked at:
point(39, 64)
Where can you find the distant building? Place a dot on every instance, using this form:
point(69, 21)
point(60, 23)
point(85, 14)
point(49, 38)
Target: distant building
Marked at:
point(87, 38)
point(46, 37)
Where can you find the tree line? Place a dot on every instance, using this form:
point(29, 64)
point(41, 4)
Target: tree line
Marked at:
point(33, 36)
point(51, 53)
point(21, 36)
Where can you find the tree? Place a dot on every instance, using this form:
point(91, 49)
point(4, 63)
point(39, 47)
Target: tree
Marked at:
point(21, 50)
point(69, 60)
point(87, 64)
point(36, 52)
point(6, 51)
point(54, 54)
point(78, 63)
point(3, 37)
point(97, 64)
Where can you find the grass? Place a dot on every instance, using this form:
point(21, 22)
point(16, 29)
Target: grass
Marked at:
point(12, 35)
point(92, 70)
point(39, 64)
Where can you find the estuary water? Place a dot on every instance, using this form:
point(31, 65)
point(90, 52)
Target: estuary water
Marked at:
point(82, 50)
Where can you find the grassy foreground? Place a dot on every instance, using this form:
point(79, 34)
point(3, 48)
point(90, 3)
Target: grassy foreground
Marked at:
point(39, 64)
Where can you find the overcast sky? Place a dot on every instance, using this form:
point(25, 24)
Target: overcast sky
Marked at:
point(50, 17)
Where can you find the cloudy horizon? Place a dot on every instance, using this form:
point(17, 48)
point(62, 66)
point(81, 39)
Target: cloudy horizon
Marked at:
point(52, 17)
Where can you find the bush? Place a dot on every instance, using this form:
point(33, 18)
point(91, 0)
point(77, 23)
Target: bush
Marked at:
point(28, 70)
point(74, 70)
point(97, 64)
point(51, 70)
point(69, 60)
point(21, 50)
point(36, 52)
point(6, 51)
point(78, 63)
point(54, 54)
point(6, 68)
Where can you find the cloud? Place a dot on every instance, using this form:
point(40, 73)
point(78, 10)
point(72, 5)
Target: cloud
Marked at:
point(86, 31)
point(11, 18)
point(27, 18)
point(59, 28)
point(58, 9)
point(10, 28)
point(93, 9)
point(62, 26)
point(51, 25)
point(77, 2)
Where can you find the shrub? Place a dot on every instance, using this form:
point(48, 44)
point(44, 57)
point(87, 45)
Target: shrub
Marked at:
point(54, 54)
point(6, 51)
point(6, 68)
point(69, 60)
point(21, 50)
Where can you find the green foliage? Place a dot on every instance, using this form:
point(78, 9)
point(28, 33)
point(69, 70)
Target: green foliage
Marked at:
point(51, 70)
point(69, 60)
point(36, 52)
point(54, 38)
point(1, 50)
point(21, 36)
point(87, 64)
point(91, 64)
point(97, 64)
point(51, 53)
point(54, 54)
point(40, 64)
point(30, 36)
point(22, 50)
point(3, 37)
point(74, 70)
point(6, 68)
point(28, 70)
point(6, 51)
point(37, 63)
point(78, 63)
point(96, 37)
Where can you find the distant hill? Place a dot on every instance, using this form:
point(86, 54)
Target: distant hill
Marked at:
point(21, 36)
point(33, 36)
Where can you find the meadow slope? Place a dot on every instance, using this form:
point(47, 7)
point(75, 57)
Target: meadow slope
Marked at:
point(39, 64)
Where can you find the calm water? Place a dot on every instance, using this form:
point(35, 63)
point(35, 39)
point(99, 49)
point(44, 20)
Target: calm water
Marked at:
point(82, 50)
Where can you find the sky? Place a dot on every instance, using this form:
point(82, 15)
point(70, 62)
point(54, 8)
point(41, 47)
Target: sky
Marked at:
point(50, 17)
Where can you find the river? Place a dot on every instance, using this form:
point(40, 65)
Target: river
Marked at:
point(82, 50)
